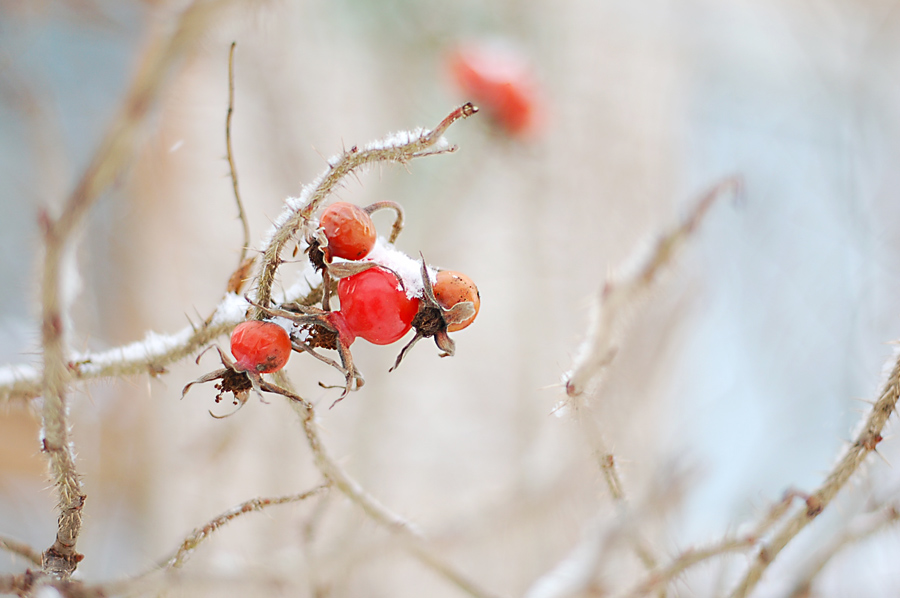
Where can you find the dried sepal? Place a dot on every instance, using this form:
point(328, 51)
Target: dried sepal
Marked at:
point(433, 319)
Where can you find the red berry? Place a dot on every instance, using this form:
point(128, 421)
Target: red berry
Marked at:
point(375, 306)
point(499, 80)
point(349, 230)
point(261, 347)
point(451, 288)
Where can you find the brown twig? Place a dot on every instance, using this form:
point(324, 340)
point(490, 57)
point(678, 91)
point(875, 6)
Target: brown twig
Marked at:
point(863, 445)
point(243, 265)
point(599, 347)
point(410, 536)
point(21, 549)
point(871, 525)
point(398, 148)
point(200, 534)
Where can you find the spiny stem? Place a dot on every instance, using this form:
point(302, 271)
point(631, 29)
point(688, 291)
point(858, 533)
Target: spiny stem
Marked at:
point(863, 445)
point(411, 537)
point(200, 534)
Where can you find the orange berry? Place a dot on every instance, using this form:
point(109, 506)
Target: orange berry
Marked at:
point(451, 288)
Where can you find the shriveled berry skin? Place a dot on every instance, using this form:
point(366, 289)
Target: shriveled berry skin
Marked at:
point(451, 288)
point(349, 230)
point(375, 306)
point(261, 347)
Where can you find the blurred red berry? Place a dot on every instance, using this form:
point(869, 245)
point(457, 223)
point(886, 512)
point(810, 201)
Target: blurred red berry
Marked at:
point(499, 80)
point(349, 230)
point(451, 288)
point(375, 306)
point(261, 347)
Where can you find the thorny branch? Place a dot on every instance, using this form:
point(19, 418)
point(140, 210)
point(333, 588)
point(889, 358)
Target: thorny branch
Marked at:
point(863, 445)
point(400, 148)
point(604, 331)
point(61, 559)
point(200, 534)
point(411, 537)
point(872, 524)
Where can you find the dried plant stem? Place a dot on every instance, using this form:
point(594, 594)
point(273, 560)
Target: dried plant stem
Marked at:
point(607, 463)
point(410, 536)
point(21, 549)
point(231, 166)
point(874, 523)
point(660, 578)
point(398, 148)
point(397, 227)
point(257, 504)
point(61, 559)
point(863, 445)
point(599, 347)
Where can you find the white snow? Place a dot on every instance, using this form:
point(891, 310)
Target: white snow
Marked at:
point(408, 269)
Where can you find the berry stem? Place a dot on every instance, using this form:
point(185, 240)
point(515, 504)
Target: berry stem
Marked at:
point(398, 218)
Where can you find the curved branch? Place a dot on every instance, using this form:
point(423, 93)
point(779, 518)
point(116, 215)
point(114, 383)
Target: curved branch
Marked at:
point(409, 534)
point(200, 534)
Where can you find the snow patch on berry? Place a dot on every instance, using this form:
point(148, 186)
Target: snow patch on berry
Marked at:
point(408, 269)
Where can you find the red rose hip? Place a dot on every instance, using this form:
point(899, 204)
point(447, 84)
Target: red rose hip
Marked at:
point(375, 306)
point(349, 230)
point(261, 347)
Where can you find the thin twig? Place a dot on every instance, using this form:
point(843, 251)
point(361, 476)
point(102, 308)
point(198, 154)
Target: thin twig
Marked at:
point(599, 347)
point(200, 534)
point(607, 463)
point(660, 578)
point(231, 166)
point(399, 148)
point(21, 549)
point(410, 535)
point(863, 445)
point(873, 523)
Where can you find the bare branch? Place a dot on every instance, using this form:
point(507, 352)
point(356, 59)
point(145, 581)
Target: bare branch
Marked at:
point(871, 524)
point(200, 534)
point(21, 549)
point(410, 535)
point(864, 444)
point(605, 329)
point(242, 267)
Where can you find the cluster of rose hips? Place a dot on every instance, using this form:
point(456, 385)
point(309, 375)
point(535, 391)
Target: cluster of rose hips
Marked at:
point(379, 302)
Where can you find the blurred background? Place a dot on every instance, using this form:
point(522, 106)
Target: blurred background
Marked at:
point(743, 370)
